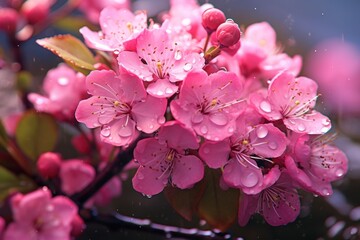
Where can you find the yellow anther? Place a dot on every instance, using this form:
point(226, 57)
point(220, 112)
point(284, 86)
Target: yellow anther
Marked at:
point(213, 102)
point(159, 67)
point(297, 102)
point(129, 26)
point(170, 156)
point(116, 103)
point(245, 142)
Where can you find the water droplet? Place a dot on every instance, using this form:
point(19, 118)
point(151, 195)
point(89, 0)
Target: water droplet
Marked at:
point(63, 81)
point(147, 195)
point(103, 119)
point(249, 180)
point(206, 150)
point(49, 208)
point(160, 93)
point(188, 67)
point(151, 126)
point(301, 127)
point(219, 119)
point(197, 118)
point(105, 131)
point(265, 106)
point(325, 122)
point(262, 132)
point(272, 145)
point(125, 132)
point(116, 52)
point(169, 91)
point(161, 120)
point(178, 55)
point(140, 176)
point(325, 129)
point(231, 129)
point(339, 172)
point(204, 129)
point(325, 192)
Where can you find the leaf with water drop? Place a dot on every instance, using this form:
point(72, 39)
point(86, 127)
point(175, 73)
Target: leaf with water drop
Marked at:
point(36, 133)
point(71, 50)
point(218, 207)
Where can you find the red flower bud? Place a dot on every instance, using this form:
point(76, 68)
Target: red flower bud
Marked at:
point(228, 33)
point(36, 10)
point(8, 20)
point(212, 18)
point(48, 164)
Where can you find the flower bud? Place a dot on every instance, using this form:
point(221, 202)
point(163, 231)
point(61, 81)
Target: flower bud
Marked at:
point(228, 33)
point(8, 20)
point(36, 10)
point(48, 164)
point(212, 18)
point(77, 226)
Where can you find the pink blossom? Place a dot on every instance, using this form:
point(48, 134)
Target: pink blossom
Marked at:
point(120, 105)
point(117, 27)
point(63, 89)
point(315, 163)
point(92, 8)
point(159, 61)
point(36, 11)
point(39, 216)
point(239, 155)
point(260, 56)
point(8, 20)
point(75, 175)
point(209, 104)
point(292, 100)
point(278, 203)
point(335, 65)
point(164, 160)
point(48, 164)
point(2, 227)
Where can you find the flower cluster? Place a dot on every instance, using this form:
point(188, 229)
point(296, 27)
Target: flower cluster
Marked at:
point(189, 96)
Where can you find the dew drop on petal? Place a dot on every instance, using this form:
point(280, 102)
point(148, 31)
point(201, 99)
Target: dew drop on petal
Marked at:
point(219, 119)
point(273, 145)
point(325, 122)
point(325, 129)
point(161, 120)
point(301, 127)
point(160, 93)
point(125, 132)
point(262, 132)
point(265, 106)
point(339, 172)
point(197, 118)
point(63, 81)
point(151, 126)
point(187, 67)
point(105, 131)
point(103, 120)
point(231, 129)
point(204, 129)
point(325, 192)
point(249, 180)
point(169, 91)
point(178, 55)
point(206, 150)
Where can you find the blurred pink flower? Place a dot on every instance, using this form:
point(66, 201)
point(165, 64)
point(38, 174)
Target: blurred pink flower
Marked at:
point(63, 89)
point(39, 216)
point(335, 65)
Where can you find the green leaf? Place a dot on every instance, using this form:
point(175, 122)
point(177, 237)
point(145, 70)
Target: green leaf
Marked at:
point(71, 50)
point(3, 135)
point(217, 207)
point(36, 133)
point(185, 201)
point(8, 181)
point(73, 24)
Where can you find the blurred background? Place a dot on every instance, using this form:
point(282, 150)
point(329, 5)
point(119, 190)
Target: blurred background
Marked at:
point(317, 30)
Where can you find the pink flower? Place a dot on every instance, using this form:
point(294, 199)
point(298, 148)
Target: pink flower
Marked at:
point(315, 163)
point(120, 105)
point(292, 100)
point(278, 203)
point(117, 27)
point(2, 227)
point(335, 64)
point(245, 155)
point(92, 8)
point(75, 175)
point(36, 11)
point(39, 216)
point(209, 104)
point(63, 89)
point(164, 160)
point(159, 61)
point(259, 55)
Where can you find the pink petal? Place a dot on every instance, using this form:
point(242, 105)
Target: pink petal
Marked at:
point(297, 174)
point(247, 207)
point(162, 88)
point(120, 132)
point(149, 114)
point(264, 107)
point(263, 35)
point(130, 62)
point(17, 231)
point(215, 154)
point(311, 123)
point(189, 166)
point(177, 136)
point(268, 141)
point(146, 148)
point(148, 181)
point(64, 209)
point(94, 40)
